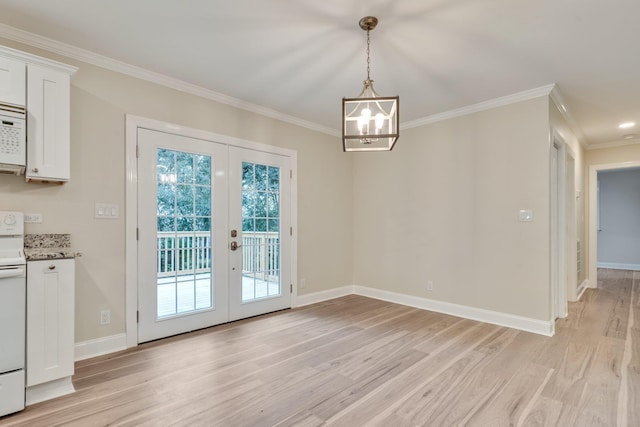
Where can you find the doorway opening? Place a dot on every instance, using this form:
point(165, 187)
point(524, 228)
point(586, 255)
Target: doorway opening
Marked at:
point(593, 213)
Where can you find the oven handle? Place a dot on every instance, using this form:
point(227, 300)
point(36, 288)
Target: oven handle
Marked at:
point(11, 272)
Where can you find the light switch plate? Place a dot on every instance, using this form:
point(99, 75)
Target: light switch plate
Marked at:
point(525, 215)
point(107, 211)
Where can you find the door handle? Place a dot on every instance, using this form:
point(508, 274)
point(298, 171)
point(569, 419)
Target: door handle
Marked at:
point(11, 272)
point(234, 245)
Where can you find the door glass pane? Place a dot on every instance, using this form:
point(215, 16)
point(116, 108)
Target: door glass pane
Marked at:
point(260, 231)
point(184, 238)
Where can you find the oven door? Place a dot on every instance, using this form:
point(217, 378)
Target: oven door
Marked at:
point(12, 318)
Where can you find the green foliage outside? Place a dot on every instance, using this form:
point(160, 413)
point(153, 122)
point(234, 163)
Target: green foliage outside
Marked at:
point(184, 194)
point(260, 198)
point(184, 191)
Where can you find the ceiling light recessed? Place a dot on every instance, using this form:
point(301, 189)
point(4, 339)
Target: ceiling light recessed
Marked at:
point(630, 136)
point(627, 125)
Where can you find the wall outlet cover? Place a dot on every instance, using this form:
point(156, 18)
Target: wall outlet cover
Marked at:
point(33, 218)
point(105, 317)
point(525, 215)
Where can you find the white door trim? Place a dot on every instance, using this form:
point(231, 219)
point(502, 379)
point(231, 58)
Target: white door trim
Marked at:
point(554, 228)
point(572, 227)
point(131, 204)
point(593, 214)
point(558, 230)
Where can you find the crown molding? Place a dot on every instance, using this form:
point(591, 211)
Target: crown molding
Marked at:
point(481, 106)
point(108, 63)
point(37, 60)
point(102, 61)
point(558, 100)
point(613, 144)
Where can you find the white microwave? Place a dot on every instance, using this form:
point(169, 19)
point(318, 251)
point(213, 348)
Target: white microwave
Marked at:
point(13, 141)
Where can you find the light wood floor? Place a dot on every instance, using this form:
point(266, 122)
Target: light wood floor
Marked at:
point(356, 361)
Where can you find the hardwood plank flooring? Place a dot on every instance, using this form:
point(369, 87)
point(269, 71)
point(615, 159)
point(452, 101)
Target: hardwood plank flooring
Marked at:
point(355, 361)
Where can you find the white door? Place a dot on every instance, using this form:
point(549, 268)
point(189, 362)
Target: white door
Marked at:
point(214, 243)
point(182, 223)
point(260, 237)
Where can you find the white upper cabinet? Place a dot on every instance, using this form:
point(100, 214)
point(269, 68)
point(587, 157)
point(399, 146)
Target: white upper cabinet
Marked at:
point(12, 82)
point(44, 87)
point(48, 124)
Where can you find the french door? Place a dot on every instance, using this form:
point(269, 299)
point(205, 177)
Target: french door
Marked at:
point(260, 247)
point(213, 233)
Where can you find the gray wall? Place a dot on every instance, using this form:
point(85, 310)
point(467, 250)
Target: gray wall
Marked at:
point(619, 219)
point(443, 207)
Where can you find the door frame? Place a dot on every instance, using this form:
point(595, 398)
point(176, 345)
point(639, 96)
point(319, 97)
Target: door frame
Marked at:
point(593, 214)
point(132, 123)
point(563, 262)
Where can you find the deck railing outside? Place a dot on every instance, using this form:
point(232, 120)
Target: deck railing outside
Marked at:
point(261, 255)
point(186, 252)
point(191, 253)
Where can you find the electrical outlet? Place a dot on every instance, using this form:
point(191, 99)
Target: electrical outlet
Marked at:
point(33, 218)
point(429, 285)
point(303, 283)
point(105, 317)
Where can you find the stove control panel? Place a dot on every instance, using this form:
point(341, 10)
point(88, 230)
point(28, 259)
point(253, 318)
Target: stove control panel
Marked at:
point(11, 223)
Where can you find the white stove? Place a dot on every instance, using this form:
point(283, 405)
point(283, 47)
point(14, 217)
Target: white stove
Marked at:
point(13, 288)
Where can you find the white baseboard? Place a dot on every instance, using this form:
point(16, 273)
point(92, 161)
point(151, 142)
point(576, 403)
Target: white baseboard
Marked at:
point(312, 298)
point(583, 287)
point(619, 266)
point(111, 344)
point(100, 346)
point(541, 327)
point(487, 316)
point(51, 390)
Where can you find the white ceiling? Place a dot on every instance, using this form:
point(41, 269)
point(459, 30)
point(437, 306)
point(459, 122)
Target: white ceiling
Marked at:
point(300, 57)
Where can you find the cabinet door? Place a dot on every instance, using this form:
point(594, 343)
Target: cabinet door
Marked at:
point(48, 144)
point(12, 81)
point(50, 320)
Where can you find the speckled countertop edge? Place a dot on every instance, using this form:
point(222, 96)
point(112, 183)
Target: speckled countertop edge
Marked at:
point(44, 241)
point(48, 246)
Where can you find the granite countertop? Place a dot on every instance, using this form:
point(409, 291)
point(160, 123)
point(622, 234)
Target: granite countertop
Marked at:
point(48, 246)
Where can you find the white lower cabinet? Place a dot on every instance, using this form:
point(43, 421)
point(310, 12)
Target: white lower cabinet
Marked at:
point(50, 328)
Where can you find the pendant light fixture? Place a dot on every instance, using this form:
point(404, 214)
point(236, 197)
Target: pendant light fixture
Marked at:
point(369, 121)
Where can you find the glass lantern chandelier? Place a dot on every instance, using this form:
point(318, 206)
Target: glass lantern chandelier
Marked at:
point(369, 121)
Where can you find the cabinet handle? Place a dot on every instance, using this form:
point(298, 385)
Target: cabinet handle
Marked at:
point(52, 267)
point(35, 170)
